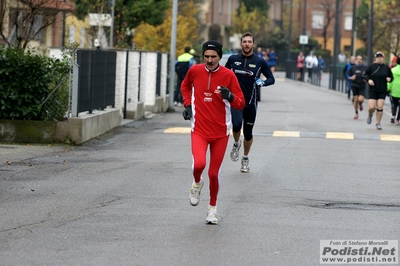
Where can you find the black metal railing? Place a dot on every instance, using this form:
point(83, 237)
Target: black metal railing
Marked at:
point(96, 79)
point(292, 71)
point(339, 84)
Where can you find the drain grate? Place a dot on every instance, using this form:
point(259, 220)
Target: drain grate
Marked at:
point(359, 206)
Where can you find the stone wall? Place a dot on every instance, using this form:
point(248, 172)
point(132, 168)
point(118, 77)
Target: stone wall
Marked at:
point(76, 130)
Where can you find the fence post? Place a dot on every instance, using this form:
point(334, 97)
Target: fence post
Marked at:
point(126, 83)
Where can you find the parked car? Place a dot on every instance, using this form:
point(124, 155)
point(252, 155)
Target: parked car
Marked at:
point(224, 58)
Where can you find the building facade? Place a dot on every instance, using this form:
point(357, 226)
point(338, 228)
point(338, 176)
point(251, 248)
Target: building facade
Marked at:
point(217, 16)
point(43, 12)
point(320, 18)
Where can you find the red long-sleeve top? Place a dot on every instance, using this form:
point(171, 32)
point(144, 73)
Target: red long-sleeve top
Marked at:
point(211, 114)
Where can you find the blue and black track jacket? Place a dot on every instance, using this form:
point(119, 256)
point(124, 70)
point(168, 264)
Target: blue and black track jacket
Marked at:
point(357, 70)
point(248, 69)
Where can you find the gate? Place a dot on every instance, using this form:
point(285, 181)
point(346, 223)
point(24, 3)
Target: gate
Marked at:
point(95, 80)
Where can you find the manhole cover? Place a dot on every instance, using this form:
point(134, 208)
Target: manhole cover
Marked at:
point(359, 206)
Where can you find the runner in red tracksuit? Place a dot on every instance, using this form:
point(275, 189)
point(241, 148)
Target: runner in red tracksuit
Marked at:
point(209, 90)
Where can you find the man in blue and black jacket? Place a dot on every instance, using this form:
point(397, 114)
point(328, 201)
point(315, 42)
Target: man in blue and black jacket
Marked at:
point(357, 83)
point(346, 69)
point(248, 69)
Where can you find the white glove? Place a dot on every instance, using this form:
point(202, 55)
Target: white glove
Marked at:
point(259, 82)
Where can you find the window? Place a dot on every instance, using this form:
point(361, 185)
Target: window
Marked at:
point(348, 21)
point(37, 24)
point(71, 34)
point(220, 6)
point(18, 21)
point(83, 37)
point(317, 20)
point(272, 11)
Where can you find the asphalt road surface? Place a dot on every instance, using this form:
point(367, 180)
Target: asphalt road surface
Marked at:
point(122, 199)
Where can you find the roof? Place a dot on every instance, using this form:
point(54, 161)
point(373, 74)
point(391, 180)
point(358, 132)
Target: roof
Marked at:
point(60, 5)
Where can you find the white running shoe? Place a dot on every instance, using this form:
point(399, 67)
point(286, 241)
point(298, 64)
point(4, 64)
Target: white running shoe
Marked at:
point(245, 165)
point(195, 193)
point(235, 151)
point(212, 217)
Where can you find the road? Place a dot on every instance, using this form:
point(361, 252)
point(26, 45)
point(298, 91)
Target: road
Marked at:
point(122, 198)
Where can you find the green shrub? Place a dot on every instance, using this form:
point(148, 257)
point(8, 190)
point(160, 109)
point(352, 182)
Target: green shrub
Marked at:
point(28, 83)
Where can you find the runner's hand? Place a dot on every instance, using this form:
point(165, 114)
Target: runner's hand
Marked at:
point(371, 82)
point(226, 94)
point(187, 113)
point(259, 82)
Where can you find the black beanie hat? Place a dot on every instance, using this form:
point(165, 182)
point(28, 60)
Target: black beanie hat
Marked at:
point(213, 45)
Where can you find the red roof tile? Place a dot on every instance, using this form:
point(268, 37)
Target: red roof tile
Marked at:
point(53, 4)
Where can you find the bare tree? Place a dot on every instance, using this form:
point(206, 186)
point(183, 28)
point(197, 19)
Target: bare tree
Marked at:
point(386, 33)
point(328, 7)
point(388, 36)
point(395, 43)
point(22, 21)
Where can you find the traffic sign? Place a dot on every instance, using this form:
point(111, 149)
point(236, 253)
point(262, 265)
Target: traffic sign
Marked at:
point(303, 39)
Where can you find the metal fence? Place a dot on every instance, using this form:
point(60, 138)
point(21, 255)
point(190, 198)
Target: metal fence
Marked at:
point(312, 75)
point(96, 80)
point(55, 105)
point(336, 82)
point(340, 83)
point(134, 81)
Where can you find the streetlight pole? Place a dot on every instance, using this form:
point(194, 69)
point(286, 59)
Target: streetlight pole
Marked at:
point(288, 60)
point(173, 54)
point(112, 24)
point(304, 25)
point(353, 32)
point(335, 47)
point(371, 31)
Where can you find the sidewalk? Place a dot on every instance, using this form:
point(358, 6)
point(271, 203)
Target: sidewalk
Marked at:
point(20, 152)
point(281, 75)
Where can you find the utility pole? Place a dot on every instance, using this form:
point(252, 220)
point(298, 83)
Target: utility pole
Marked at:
point(173, 54)
point(371, 31)
point(353, 30)
point(290, 28)
point(288, 60)
point(281, 26)
point(304, 25)
point(112, 24)
point(335, 47)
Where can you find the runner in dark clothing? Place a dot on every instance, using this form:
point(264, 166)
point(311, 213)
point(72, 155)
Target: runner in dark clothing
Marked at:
point(357, 83)
point(378, 75)
point(248, 68)
point(182, 65)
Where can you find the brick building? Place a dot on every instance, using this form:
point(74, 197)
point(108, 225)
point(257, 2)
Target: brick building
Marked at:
point(43, 12)
point(220, 12)
point(320, 20)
